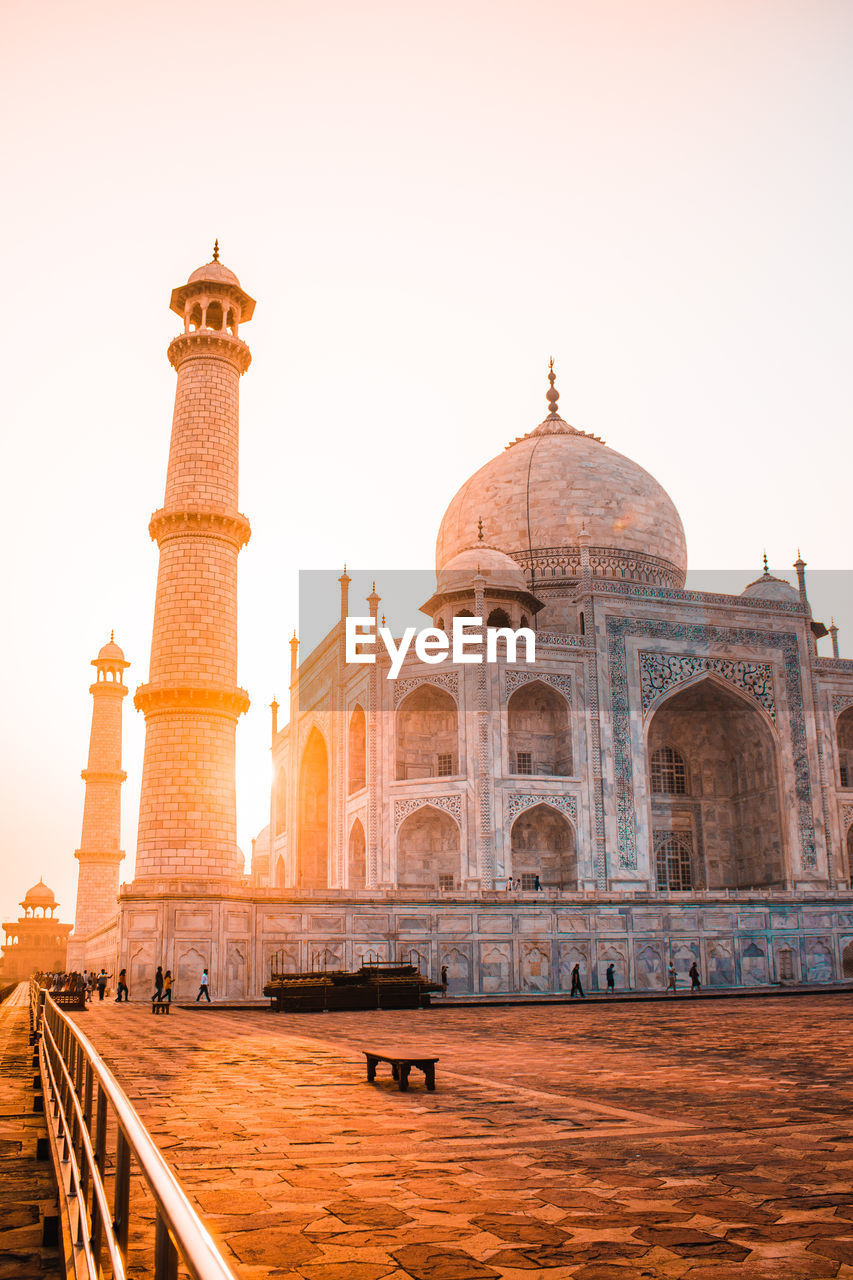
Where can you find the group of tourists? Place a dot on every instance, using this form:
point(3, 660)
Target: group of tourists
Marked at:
point(610, 978)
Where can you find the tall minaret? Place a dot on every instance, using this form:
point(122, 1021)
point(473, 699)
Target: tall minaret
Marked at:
point(99, 854)
point(187, 814)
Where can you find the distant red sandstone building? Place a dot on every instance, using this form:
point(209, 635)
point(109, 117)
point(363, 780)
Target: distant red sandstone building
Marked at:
point(36, 940)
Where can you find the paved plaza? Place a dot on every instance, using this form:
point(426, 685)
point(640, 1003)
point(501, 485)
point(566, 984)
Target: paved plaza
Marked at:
point(703, 1139)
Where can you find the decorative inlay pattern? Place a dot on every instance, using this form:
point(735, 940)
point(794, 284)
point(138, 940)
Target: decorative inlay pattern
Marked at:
point(660, 671)
point(448, 680)
point(450, 804)
point(558, 640)
point(840, 702)
point(684, 839)
point(699, 636)
point(514, 679)
point(702, 598)
point(554, 563)
point(518, 801)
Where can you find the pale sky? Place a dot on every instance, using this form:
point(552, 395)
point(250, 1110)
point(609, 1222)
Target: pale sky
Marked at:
point(426, 200)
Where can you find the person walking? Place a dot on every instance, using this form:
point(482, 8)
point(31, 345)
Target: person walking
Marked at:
point(158, 985)
point(611, 979)
point(167, 986)
point(577, 989)
point(695, 984)
point(204, 988)
point(103, 978)
point(670, 986)
point(122, 986)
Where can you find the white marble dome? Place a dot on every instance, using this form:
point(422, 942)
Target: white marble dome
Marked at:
point(534, 498)
point(769, 588)
point(498, 569)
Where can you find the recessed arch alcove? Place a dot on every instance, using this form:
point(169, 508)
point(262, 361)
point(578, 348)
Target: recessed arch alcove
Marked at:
point(427, 734)
point(313, 825)
point(543, 844)
point(539, 731)
point(357, 854)
point(356, 750)
point(844, 738)
point(428, 849)
point(714, 785)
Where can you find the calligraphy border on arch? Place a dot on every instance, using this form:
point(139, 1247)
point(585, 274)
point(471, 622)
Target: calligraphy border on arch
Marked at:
point(450, 804)
point(700, 635)
point(515, 679)
point(518, 801)
point(448, 680)
point(662, 671)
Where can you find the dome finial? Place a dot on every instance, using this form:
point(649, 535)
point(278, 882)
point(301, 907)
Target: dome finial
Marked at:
point(766, 570)
point(216, 250)
point(552, 395)
point(112, 635)
point(480, 529)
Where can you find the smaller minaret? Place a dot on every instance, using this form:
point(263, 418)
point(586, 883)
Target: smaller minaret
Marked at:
point(99, 854)
point(833, 631)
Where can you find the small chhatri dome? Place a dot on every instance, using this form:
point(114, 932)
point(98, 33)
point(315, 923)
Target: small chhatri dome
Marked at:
point(110, 652)
point(767, 587)
point(39, 896)
point(215, 273)
point(498, 569)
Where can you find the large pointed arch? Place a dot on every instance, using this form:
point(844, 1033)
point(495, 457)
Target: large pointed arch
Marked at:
point(543, 844)
point(427, 725)
point(722, 826)
point(428, 849)
point(539, 731)
point(357, 750)
point(313, 816)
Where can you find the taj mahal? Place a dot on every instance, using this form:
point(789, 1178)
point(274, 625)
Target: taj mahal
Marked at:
point(671, 780)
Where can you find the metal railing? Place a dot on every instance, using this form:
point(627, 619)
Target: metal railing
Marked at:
point(93, 1128)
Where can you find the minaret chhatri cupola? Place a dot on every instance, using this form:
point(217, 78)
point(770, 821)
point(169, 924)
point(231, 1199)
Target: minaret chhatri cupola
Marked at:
point(99, 854)
point(187, 816)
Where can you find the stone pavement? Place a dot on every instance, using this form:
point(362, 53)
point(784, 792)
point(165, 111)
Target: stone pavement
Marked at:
point(27, 1193)
point(705, 1140)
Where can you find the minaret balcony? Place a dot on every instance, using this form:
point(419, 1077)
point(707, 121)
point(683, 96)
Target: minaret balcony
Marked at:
point(211, 344)
point(233, 527)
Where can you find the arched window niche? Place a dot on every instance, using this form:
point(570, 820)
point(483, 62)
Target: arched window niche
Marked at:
point(313, 831)
point(356, 770)
point(543, 845)
point(427, 734)
point(540, 740)
point(428, 850)
point(844, 738)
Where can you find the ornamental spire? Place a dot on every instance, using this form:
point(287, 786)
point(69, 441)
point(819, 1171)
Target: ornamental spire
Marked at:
point(216, 251)
point(552, 395)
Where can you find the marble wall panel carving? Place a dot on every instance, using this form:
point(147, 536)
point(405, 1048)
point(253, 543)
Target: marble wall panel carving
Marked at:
point(570, 954)
point(236, 952)
point(496, 967)
point(368, 924)
point(328, 924)
point(454, 923)
point(535, 966)
point(460, 967)
point(720, 968)
point(535, 922)
point(494, 924)
point(371, 952)
point(618, 957)
point(414, 924)
point(819, 961)
point(277, 922)
point(191, 958)
point(753, 962)
point(515, 802)
point(193, 921)
point(649, 967)
point(572, 922)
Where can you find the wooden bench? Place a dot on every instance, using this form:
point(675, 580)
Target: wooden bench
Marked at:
point(401, 1064)
point(160, 1006)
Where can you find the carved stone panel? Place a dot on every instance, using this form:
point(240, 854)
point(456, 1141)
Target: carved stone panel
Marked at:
point(535, 966)
point(496, 967)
